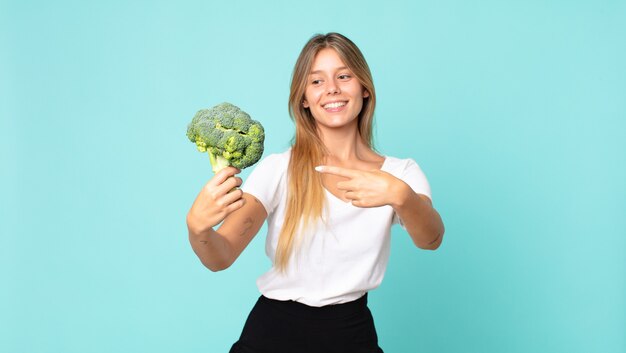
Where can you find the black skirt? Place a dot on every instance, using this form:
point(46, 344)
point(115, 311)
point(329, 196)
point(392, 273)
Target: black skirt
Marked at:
point(275, 326)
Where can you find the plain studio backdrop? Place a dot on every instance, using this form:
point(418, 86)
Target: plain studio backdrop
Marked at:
point(515, 110)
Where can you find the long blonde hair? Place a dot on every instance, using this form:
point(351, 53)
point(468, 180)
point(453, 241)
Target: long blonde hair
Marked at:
point(305, 193)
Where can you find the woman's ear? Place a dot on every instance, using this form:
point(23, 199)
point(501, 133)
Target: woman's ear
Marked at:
point(366, 93)
point(305, 103)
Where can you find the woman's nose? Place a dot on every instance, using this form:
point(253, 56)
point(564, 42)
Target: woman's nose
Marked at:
point(333, 88)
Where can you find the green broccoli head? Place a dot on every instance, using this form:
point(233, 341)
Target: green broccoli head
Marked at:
point(229, 135)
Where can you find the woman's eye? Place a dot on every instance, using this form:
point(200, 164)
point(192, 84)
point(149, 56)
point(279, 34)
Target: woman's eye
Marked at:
point(316, 82)
point(344, 77)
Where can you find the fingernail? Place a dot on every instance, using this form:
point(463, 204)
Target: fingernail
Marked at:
point(319, 168)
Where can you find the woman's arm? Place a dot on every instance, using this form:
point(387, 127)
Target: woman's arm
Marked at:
point(420, 219)
point(242, 215)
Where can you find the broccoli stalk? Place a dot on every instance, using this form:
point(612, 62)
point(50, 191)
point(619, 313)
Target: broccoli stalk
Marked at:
point(217, 162)
point(229, 136)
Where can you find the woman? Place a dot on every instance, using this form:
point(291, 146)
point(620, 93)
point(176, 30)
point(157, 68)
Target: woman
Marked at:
point(329, 200)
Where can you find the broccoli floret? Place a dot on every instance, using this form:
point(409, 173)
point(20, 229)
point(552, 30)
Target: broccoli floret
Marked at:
point(229, 135)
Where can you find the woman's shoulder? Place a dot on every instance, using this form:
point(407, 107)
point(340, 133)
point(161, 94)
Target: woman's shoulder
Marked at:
point(267, 180)
point(410, 172)
point(275, 161)
point(279, 156)
point(398, 164)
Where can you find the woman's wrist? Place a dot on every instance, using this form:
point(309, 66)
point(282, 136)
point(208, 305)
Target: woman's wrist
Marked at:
point(400, 194)
point(197, 230)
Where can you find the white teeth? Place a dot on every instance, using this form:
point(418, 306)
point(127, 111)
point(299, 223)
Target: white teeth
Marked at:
point(334, 105)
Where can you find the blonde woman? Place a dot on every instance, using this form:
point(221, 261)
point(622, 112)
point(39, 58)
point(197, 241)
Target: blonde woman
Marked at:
point(329, 201)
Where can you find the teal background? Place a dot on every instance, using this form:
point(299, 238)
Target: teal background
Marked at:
point(515, 110)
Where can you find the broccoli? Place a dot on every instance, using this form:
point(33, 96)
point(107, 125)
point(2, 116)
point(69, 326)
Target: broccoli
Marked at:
point(229, 135)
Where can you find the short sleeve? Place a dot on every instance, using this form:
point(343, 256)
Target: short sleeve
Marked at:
point(416, 179)
point(265, 181)
point(413, 175)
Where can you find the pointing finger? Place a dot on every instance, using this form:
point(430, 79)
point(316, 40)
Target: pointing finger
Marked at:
point(345, 185)
point(344, 172)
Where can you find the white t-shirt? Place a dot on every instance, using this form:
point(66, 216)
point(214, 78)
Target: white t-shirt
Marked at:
point(340, 258)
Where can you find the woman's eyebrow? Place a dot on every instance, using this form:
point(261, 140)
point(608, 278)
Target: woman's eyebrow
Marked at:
point(320, 71)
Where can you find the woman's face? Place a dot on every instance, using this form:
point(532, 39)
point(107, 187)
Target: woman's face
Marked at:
point(333, 94)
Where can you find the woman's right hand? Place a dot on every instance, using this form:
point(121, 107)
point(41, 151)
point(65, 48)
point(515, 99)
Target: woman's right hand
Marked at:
point(217, 199)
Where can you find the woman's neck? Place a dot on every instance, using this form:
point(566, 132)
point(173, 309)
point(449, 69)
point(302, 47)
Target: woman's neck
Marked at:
point(344, 145)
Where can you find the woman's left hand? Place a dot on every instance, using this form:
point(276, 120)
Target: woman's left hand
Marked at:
point(368, 188)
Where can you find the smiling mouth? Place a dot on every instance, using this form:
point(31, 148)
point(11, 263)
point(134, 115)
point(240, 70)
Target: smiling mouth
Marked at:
point(334, 105)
